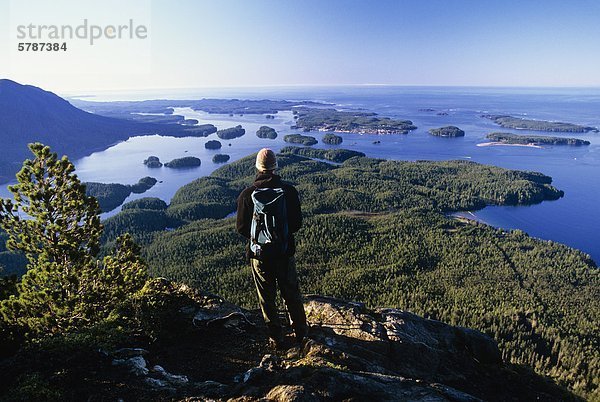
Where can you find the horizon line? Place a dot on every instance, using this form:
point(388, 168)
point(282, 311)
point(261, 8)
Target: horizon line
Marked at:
point(366, 85)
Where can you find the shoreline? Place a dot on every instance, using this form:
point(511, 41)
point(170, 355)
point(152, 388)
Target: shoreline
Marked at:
point(468, 215)
point(498, 143)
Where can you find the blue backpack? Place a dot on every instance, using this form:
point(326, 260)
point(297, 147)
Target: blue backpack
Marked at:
point(269, 229)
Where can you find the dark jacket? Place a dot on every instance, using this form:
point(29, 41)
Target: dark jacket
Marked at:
point(245, 208)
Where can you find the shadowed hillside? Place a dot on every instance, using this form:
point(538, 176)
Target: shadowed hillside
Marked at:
point(30, 114)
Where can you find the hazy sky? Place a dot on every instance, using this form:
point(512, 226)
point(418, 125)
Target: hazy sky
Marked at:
point(311, 42)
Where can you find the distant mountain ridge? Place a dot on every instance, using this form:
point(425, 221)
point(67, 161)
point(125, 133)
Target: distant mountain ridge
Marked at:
point(30, 114)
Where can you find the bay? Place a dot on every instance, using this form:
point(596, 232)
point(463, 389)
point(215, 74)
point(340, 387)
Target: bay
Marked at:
point(573, 220)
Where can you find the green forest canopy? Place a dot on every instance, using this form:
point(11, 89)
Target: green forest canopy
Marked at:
point(376, 231)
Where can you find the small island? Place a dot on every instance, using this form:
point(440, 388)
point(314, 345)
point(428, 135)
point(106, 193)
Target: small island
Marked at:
point(189, 122)
point(231, 133)
point(220, 158)
point(332, 139)
point(508, 138)
point(300, 139)
point(213, 144)
point(311, 119)
point(448, 131)
point(153, 162)
point(185, 162)
point(537, 125)
point(266, 132)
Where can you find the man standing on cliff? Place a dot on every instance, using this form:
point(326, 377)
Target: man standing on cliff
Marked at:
point(268, 214)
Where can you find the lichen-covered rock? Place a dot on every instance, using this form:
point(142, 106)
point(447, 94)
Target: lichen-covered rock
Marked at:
point(396, 339)
point(290, 393)
point(170, 378)
point(136, 365)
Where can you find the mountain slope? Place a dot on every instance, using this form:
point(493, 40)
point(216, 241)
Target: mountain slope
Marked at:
point(208, 349)
point(30, 114)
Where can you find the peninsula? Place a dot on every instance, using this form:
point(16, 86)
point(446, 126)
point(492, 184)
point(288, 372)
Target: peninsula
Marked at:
point(111, 195)
point(537, 125)
point(312, 119)
point(508, 138)
point(333, 155)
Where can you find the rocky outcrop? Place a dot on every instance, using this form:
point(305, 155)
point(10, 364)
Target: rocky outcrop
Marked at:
point(210, 349)
point(352, 353)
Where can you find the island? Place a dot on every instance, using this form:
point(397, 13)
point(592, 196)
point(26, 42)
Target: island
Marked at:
point(153, 162)
point(189, 122)
point(332, 139)
point(185, 162)
point(537, 125)
point(333, 155)
point(312, 119)
point(300, 139)
point(231, 133)
point(213, 144)
point(266, 132)
point(508, 138)
point(111, 195)
point(220, 158)
point(448, 131)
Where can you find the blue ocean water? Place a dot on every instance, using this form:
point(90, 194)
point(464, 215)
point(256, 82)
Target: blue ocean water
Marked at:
point(573, 220)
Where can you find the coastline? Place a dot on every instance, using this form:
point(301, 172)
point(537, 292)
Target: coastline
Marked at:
point(468, 215)
point(498, 143)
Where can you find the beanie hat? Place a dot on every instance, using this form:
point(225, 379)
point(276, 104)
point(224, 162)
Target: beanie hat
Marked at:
point(266, 160)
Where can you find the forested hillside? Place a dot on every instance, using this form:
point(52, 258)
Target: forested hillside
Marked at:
point(376, 231)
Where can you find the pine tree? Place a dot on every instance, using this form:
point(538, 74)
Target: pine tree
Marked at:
point(65, 286)
point(61, 224)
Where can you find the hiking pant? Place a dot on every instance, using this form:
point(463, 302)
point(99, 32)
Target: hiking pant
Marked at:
point(267, 275)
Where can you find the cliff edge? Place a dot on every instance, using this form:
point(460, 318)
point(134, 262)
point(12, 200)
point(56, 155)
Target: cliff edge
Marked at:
point(208, 349)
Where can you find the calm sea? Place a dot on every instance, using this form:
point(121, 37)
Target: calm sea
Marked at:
point(573, 220)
